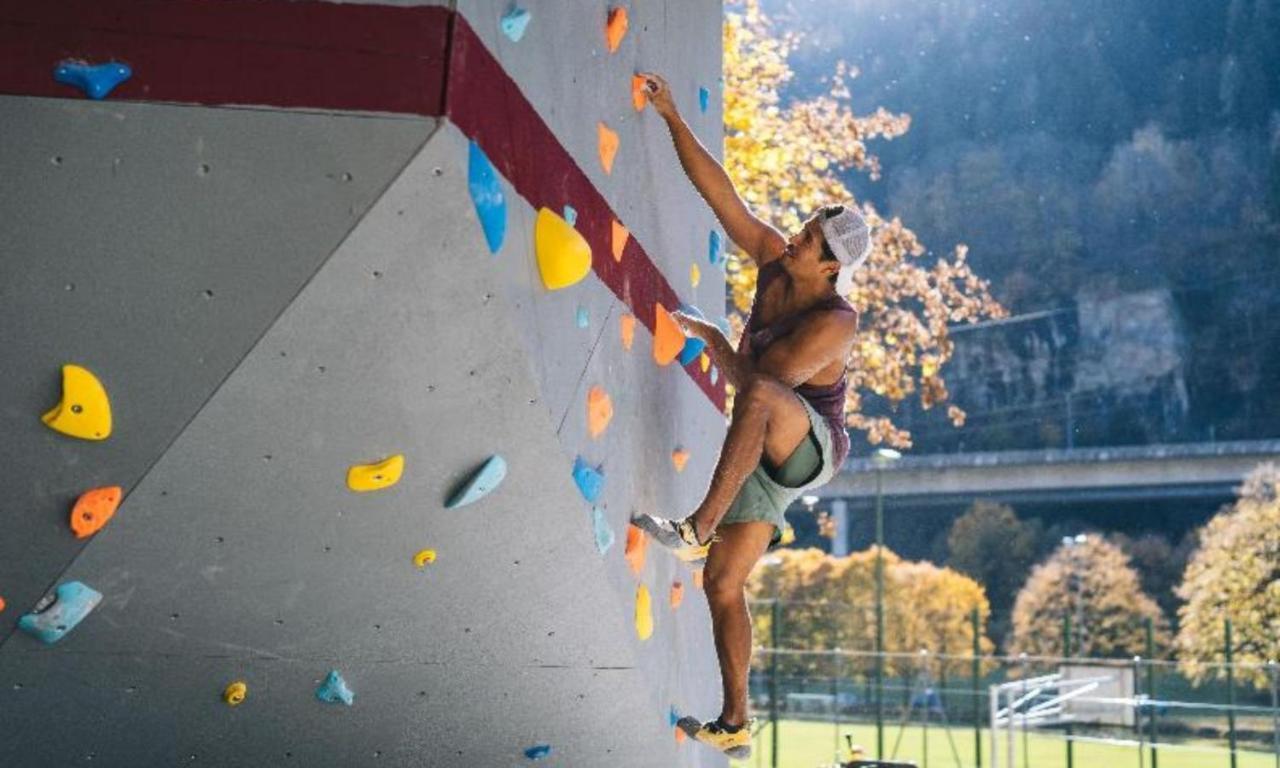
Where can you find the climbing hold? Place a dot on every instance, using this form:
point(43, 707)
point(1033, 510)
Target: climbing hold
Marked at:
point(571, 215)
point(93, 509)
point(1, 604)
point(680, 735)
point(668, 339)
point(583, 318)
point(627, 327)
point(96, 80)
point(618, 240)
point(57, 614)
point(715, 375)
point(608, 146)
point(644, 613)
point(514, 22)
point(673, 716)
point(589, 479)
point(480, 483)
point(788, 536)
point(84, 411)
point(375, 477)
point(704, 99)
point(599, 411)
point(235, 693)
point(334, 689)
point(637, 543)
point(603, 531)
point(691, 350)
point(695, 275)
point(697, 578)
point(564, 257)
point(715, 248)
point(538, 751)
point(677, 594)
point(679, 457)
point(615, 28)
point(424, 557)
point(704, 362)
point(487, 196)
point(639, 92)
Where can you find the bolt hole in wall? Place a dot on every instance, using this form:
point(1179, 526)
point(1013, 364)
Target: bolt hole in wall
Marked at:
point(203, 170)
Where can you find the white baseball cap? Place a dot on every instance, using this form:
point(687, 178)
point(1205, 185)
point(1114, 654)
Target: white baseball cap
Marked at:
point(849, 238)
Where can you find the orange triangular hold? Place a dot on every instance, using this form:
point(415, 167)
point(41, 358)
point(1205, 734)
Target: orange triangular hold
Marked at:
point(620, 235)
point(680, 735)
point(627, 326)
point(639, 92)
point(677, 594)
point(668, 339)
point(637, 542)
point(93, 509)
point(608, 146)
point(697, 578)
point(679, 457)
point(615, 28)
point(599, 411)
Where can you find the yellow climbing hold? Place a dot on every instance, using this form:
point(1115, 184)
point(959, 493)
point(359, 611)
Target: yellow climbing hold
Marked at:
point(679, 457)
point(668, 339)
point(618, 241)
point(704, 361)
point(627, 327)
point(599, 411)
point(695, 275)
point(644, 613)
point(608, 146)
point(564, 257)
point(84, 411)
point(375, 477)
point(425, 556)
point(235, 693)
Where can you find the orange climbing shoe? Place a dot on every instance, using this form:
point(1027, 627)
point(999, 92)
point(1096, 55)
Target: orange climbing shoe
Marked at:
point(714, 733)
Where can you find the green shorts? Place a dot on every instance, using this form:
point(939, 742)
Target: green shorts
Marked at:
point(769, 490)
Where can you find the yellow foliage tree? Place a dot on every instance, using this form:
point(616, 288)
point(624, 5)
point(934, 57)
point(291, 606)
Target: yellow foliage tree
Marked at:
point(784, 159)
point(1235, 574)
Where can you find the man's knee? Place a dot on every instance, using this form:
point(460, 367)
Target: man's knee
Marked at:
point(721, 590)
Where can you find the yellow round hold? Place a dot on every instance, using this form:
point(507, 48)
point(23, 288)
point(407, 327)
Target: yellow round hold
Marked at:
point(84, 411)
point(564, 257)
point(235, 693)
point(425, 556)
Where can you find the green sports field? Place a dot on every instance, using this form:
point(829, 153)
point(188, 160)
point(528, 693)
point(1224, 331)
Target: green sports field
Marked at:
point(812, 744)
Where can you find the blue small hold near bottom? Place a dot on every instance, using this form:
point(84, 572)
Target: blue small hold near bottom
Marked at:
point(54, 618)
point(334, 689)
point(604, 533)
point(538, 751)
point(96, 80)
point(584, 319)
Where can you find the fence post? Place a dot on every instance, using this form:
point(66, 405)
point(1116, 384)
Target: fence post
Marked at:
point(1275, 708)
point(1137, 716)
point(1066, 653)
point(835, 700)
point(1231, 694)
point(774, 620)
point(1151, 691)
point(977, 692)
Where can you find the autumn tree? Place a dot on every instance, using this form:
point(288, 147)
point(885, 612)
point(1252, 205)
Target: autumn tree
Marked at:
point(786, 158)
point(1093, 582)
point(1235, 574)
point(990, 544)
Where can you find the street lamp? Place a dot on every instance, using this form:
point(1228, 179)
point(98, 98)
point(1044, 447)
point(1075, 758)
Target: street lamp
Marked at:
point(881, 458)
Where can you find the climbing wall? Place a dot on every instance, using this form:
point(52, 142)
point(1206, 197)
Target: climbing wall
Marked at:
point(335, 360)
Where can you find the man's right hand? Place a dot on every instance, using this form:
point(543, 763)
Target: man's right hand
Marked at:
point(659, 94)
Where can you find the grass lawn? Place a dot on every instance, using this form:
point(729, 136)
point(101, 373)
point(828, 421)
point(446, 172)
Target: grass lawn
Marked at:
point(811, 745)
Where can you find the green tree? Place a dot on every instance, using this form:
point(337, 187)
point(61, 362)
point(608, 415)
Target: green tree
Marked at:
point(990, 544)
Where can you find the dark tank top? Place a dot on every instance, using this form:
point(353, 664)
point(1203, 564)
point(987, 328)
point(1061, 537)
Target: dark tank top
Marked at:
point(828, 400)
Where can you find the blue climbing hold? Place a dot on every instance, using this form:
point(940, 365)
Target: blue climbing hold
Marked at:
point(704, 99)
point(715, 248)
point(486, 194)
point(481, 482)
point(584, 319)
point(590, 480)
point(58, 614)
point(692, 348)
point(514, 23)
point(571, 215)
point(334, 689)
point(96, 80)
point(537, 752)
point(715, 375)
point(674, 715)
point(604, 532)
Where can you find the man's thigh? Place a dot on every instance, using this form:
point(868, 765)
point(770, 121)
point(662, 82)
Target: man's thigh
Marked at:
point(788, 422)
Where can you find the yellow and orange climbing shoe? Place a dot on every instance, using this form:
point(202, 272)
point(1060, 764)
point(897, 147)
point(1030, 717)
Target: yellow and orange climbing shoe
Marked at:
point(677, 535)
point(714, 733)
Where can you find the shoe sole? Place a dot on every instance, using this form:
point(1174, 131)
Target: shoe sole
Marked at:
point(691, 726)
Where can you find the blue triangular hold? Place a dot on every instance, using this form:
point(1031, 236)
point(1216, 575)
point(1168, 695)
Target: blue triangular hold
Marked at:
point(715, 248)
point(704, 99)
point(571, 215)
point(95, 80)
point(481, 482)
point(692, 348)
point(589, 479)
point(514, 23)
point(334, 689)
point(486, 194)
point(603, 531)
point(51, 621)
point(537, 752)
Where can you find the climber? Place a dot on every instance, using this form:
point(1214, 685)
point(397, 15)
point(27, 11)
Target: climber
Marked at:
point(787, 433)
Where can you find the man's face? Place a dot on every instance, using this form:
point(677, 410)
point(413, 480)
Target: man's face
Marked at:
point(803, 255)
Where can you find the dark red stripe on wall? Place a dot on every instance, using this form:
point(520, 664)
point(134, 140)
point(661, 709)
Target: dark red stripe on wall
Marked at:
point(335, 56)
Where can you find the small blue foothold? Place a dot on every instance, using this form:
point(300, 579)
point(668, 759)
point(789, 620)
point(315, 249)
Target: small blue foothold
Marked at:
point(704, 99)
point(95, 80)
point(571, 215)
point(481, 482)
point(334, 689)
point(692, 348)
point(674, 716)
point(486, 194)
point(604, 532)
point(715, 375)
point(55, 616)
point(584, 320)
point(589, 479)
point(715, 248)
point(538, 751)
point(514, 22)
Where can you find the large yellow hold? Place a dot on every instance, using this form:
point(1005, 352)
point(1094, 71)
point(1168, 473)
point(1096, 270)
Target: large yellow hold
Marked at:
point(644, 613)
point(564, 256)
point(84, 411)
point(375, 477)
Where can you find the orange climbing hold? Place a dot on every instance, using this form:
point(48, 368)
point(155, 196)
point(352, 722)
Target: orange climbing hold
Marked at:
point(608, 146)
point(639, 92)
point(93, 509)
point(677, 594)
point(697, 578)
point(668, 339)
point(680, 735)
point(615, 28)
point(1, 603)
point(599, 411)
point(627, 327)
point(637, 543)
point(619, 241)
point(679, 457)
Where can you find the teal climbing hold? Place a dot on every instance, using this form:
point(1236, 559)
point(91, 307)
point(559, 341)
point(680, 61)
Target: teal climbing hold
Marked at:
point(59, 613)
point(715, 375)
point(571, 215)
point(481, 482)
point(704, 99)
point(692, 348)
point(334, 689)
point(674, 715)
point(584, 319)
point(715, 248)
point(486, 194)
point(590, 480)
point(538, 751)
point(603, 531)
point(96, 80)
point(514, 22)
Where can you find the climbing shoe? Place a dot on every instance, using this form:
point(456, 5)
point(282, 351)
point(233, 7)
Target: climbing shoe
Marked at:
point(734, 742)
point(677, 535)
